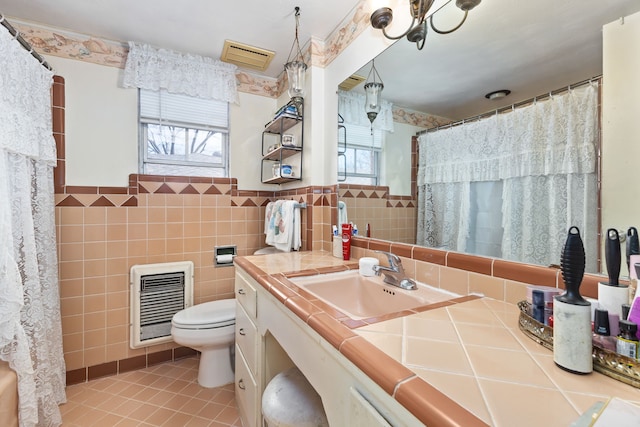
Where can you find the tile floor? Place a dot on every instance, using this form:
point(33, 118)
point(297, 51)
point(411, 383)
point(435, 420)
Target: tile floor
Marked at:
point(163, 395)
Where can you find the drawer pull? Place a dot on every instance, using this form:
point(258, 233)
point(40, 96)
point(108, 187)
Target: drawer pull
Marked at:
point(241, 291)
point(241, 331)
point(241, 385)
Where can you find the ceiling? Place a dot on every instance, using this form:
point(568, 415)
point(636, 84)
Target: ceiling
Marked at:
point(526, 46)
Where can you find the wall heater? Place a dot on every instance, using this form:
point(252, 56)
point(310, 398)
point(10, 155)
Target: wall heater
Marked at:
point(157, 292)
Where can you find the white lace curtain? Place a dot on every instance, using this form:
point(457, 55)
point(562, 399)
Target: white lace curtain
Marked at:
point(545, 156)
point(193, 75)
point(30, 328)
point(351, 107)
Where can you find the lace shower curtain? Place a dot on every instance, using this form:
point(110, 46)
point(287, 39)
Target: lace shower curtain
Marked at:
point(193, 75)
point(545, 155)
point(30, 328)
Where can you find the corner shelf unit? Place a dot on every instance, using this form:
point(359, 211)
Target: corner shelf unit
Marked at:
point(287, 118)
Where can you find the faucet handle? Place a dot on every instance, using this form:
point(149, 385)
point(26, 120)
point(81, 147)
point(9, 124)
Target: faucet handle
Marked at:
point(394, 260)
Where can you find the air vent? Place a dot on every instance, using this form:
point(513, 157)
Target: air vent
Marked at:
point(351, 82)
point(244, 55)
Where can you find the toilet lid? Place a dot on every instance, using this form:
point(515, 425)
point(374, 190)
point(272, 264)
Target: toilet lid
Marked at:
point(214, 314)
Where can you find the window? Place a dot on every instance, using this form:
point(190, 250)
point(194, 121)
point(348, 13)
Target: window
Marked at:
point(183, 135)
point(360, 162)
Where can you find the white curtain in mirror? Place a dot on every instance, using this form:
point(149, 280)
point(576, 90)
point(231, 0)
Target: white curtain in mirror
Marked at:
point(30, 328)
point(351, 108)
point(187, 74)
point(545, 156)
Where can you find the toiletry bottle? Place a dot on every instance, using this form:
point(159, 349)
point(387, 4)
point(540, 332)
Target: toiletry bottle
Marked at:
point(627, 343)
point(601, 332)
point(346, 241)
point(537, 305)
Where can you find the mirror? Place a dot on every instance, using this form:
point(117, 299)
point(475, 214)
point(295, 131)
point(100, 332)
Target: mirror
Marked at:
point(529, 48)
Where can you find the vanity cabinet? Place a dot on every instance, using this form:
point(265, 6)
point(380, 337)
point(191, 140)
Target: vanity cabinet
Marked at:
point(282, 142)
point(282, 340)
point(247, 385)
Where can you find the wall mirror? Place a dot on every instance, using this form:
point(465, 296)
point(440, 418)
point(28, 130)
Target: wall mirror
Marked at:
point(529, 48)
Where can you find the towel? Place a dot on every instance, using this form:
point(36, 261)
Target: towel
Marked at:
point(342, 213)
point(282, 225)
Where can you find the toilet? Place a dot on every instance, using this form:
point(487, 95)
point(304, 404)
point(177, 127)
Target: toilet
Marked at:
point(210, 329)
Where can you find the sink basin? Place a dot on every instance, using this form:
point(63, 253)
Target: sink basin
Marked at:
point(362, 297)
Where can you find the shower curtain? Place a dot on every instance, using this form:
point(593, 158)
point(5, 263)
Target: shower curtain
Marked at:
point(30, 327)
point(544, 156)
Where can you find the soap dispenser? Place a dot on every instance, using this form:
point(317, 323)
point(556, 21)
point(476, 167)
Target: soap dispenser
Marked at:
point(572, 345)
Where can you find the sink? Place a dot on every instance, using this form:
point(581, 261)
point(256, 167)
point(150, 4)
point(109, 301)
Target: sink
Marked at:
point(361, 297)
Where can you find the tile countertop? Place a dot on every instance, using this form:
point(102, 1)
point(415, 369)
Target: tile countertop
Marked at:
point(468, 353)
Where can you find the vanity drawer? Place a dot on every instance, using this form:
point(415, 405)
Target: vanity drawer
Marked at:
point(246, 392)
point(246, 295)
point(246, 334)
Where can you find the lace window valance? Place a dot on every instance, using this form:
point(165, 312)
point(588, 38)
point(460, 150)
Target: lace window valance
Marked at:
point(193, 75)
point(554, 136)
point(351, 107)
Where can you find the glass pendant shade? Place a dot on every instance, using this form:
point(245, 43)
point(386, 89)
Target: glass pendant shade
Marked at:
point(373, 99)
point(296, 71)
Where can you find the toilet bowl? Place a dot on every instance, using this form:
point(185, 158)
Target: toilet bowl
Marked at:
point(210, 329)
point(268, 250)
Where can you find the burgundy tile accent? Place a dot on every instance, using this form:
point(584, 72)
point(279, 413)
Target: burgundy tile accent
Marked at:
point(361, 195)
point(381, 368)
point(526, 273)
point(132, 201)
point(347, 194)
point(379, 245)
point(402, 249)
point(352, 323)
point(113, 190)
point(60, 145)
point(182, 352)
point(175, 178)
point(189, 190)
point(249, 202)
point(59, 176)
point(57, 117)
point(70, 201)
point(102, 201)
point(159, 357)
point(280, 291)
point(212, 190)
point(200, 180)
point(132, 363)
point(360, 243)
point(432, 407)
point(76, 376)
point(469, 262)
point(70, 189)
point(330, 329)
point(142, 189)
point(102, 370)
point(165, 189)
point(433, 256)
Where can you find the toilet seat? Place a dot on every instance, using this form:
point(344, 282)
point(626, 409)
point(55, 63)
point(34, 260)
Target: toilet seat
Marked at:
point(208, 315)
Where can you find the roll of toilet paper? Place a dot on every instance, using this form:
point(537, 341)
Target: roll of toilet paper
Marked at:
point(366, 265)
point(224, 259)
point(611, 298)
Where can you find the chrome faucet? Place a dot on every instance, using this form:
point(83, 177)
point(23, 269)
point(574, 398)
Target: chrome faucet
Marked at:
point(394, 274)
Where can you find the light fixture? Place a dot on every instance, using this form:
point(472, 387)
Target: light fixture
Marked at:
point(373, 92)
point(497, 94)
point(296, 69)
point(417, 31)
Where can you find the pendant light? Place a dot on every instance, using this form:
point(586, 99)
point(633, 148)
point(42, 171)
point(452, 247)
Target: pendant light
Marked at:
point(373, 92)
point(296, 69)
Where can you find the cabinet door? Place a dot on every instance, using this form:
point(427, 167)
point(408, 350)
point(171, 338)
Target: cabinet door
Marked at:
point(246, 338)
point(246, 392)
point(246, 295)
point(362, 413)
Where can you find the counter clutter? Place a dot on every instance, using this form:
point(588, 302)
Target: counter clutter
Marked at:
point(468, 354)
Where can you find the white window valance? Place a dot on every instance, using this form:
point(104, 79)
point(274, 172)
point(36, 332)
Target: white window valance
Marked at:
point(351, 108)
point(193, 75)
point(554, 136)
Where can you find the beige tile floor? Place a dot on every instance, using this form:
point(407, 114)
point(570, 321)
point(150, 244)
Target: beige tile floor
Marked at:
point(163, 395)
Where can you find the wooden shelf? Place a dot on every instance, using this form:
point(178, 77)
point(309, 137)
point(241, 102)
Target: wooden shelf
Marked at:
point(281, 153)
point(280, 180)
point(282, 123)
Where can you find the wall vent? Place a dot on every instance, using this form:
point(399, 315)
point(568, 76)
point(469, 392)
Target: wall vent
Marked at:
point(157, 292)
point(351, 82)
point(244, 55)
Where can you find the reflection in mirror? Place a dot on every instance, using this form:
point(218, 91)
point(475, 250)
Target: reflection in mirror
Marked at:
point(528, 48)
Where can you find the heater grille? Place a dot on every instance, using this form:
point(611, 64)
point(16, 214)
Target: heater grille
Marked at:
point(158, 291)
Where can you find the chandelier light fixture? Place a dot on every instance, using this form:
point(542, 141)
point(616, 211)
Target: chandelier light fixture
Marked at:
point(417, 31)
point(296, 69)
point(373, 92)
